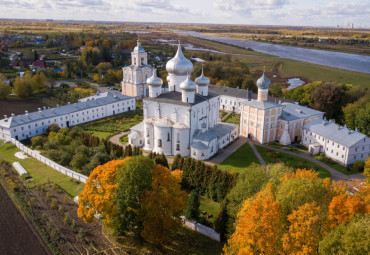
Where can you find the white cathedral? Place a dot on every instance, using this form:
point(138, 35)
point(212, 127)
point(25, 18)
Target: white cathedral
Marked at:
point(185, 119)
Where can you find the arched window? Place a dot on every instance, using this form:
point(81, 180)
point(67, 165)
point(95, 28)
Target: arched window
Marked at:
point(178, 137)
point(168, 137)
point(159, 142)
point(147, 132)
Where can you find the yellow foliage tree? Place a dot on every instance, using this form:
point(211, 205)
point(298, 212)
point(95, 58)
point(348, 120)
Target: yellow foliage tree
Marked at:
point(98, 193)
point(258, 226)
point(163, 205)
point(300, 174)
point(304, 231)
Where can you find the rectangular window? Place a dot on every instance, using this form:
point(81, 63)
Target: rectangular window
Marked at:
point(178, 147)
point(159, 142)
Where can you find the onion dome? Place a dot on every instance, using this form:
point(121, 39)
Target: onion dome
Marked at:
point(154, 80)
point(179, 65)
point(139, 48)
point(202, 80)
point(188, 84)
point(263, 82)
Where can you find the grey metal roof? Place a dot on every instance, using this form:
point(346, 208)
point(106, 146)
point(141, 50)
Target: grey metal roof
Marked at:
point(206, 136)
point(232, 92)
point(174, 97)
point(294, 111)
point(199, 146)
point(83, 104)
point(222, 129)
point(263, 82)
point(261, 105)
point(334, 132)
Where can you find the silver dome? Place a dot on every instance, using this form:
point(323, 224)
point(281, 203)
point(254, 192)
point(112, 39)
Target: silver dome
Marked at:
point(154, 80)
point(202, 80)
point(188, 84)
point(139, 48)
point(263, 82)
point(179, 65)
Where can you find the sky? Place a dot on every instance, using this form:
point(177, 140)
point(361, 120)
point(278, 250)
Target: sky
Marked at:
point(250, 12)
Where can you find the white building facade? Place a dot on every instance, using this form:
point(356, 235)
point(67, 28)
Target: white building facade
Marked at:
point(88, 109)
point(338, 143)
point(135, 75)
point(184, 120)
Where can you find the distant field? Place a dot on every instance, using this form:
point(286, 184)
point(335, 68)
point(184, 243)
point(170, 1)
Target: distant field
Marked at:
point(284, 68)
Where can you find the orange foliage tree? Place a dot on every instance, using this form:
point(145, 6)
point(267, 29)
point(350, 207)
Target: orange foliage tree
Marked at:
point(163, 205)
point(304, 231)
point(98, 194)
point(258, 227)
point(343, 208)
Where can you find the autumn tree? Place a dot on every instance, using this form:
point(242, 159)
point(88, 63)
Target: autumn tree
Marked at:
point(350, 238)
point(367, 171)
point(5, 88)
point(23, 87)
point(99, 192)
point(343, 208)
point(133, 179)
point(258, 226)
point(357, 114)
point(162, 206)
point(298, 189)
point(304, 231)
point(328, 98)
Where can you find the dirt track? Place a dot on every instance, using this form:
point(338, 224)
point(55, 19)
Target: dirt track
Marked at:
point(16, 237)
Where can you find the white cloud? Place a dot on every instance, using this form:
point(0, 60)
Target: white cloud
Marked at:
point(246, 6)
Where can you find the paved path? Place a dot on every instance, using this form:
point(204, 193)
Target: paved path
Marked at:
point(115, 139)
point(336, 175)
point(225, 153)
point(258, 155)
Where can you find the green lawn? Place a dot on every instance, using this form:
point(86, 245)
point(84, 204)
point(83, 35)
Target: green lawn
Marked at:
point(123, 139)
point(102, 135)
point(40, 172)
point(209, 206)
point(292, 161)
point(335, 165)
point(115, 124)
point(222, 114)
point(233, 119)
point(240, 159)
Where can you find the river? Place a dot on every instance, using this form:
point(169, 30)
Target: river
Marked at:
point(347, 61)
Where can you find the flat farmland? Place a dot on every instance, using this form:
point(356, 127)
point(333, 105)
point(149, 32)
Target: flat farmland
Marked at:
point(18, 106)
point(16, 237)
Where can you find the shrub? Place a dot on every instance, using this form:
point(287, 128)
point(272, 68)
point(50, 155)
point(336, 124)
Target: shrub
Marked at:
point(359, 166)
point(74, 225)
point(60, 209)
point(67, 219)
point(44, 216)
point(81, 234)
point(53, 204)
point(48, 196)
point(32, 202)
point(49, 224)
point(55, 233)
